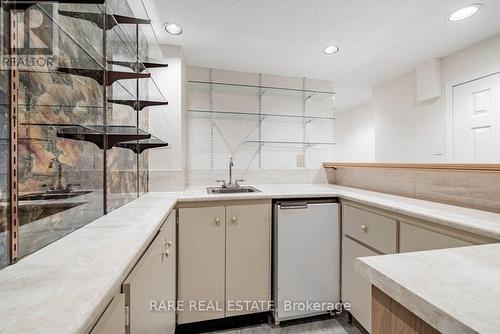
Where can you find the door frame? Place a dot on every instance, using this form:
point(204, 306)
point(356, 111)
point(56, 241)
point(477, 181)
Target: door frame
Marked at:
point(450, 85)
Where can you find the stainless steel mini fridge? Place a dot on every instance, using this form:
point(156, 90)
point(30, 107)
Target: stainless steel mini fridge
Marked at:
point(306, 257)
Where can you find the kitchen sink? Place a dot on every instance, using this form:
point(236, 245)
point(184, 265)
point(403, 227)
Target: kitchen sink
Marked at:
point(238, 190)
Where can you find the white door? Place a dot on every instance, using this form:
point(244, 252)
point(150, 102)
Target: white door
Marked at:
point(476, 121)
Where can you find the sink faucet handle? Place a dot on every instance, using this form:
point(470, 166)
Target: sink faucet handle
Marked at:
point(221, 181)
point(240, 180)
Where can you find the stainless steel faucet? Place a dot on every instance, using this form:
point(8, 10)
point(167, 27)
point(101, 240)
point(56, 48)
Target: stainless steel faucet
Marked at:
point(230, 184)
point(231, 164)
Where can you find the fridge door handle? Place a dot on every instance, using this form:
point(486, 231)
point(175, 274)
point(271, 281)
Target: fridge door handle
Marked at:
point(293, 205)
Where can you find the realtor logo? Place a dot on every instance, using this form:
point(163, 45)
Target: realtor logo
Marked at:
point(36, 37)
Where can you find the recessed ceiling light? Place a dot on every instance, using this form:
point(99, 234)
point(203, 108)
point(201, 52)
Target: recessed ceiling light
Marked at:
point(329, 50)
point(173, 28)
point(333, 97)
point(465, 12)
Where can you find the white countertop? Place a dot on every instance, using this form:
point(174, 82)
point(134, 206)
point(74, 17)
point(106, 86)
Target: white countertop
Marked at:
point(455, 290)
point(65, 286)
point(475, 221)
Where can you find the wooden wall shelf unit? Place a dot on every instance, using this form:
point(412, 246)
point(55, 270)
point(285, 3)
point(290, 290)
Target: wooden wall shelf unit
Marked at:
point(425, 166)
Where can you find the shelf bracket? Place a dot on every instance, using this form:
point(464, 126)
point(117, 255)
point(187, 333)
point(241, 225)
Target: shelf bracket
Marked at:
point(14, 187)
point(102, 76)
point(304, 121)
point(261, 118)
point(212, 121)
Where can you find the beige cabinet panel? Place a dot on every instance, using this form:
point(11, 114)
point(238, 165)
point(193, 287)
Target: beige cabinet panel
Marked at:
point(413, 238)
point(356, 290)
point(248, 257)
point(113, 319)
point(151, 284)
point(171, 280)
point(201, 266)
point(374, 230)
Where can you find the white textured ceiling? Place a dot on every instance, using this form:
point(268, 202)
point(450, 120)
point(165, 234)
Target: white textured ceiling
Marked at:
point(378, 39)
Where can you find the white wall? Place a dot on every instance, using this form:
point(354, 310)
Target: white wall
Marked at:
point(404, 130)
point(407, 131)
point(354, 131)
point(168, 123)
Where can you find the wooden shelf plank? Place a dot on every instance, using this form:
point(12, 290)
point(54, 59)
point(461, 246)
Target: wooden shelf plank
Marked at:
point(428, 166)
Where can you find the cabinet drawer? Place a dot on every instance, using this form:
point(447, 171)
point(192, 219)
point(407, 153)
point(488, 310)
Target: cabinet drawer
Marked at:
point(375, 230)
point(413, 238)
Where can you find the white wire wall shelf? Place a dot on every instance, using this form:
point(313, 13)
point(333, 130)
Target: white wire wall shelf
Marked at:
point(262, 115)
point(264, 89)
point(287, 143)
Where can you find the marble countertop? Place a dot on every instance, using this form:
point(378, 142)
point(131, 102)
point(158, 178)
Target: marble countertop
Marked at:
point(65, 286)
point(454, 290)
point(478, 222)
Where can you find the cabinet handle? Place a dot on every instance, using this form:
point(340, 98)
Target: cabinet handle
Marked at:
point(234, 220)
point(166, 254)
point(364, 228)
point(168, 244)
point(217, 221)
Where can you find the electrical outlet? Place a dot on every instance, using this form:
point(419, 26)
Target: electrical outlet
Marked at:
point(300, 160)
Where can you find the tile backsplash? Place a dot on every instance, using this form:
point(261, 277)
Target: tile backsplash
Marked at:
point(178, 180)
point(473, 189)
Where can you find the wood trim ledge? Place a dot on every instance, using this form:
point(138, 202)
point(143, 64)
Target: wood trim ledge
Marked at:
point(428, 166)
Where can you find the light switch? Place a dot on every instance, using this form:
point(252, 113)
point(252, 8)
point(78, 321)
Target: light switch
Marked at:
point(439, 148)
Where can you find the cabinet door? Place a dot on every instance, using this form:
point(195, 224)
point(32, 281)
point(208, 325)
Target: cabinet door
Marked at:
point(113, 319)
point(201, 246)
point(356, 290)
point(413, 238)
point(171, 278)
point(248, 258)
point(151, 285)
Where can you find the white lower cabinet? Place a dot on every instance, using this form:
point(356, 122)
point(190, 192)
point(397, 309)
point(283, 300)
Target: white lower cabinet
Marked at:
point(150, 287)
point(355, 290)
point(248, 257)
point(365, 233)
point(113, 319)
point(201, 263)
point(224, 258)
point(369, 231)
